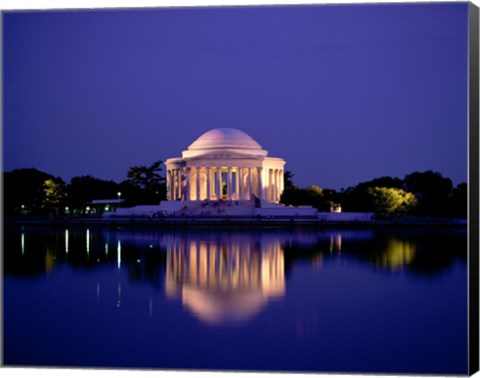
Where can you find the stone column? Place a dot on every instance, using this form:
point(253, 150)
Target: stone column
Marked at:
point(219, 183)
point(177, 184)
point(174, 184)
point(229, 184)
point(188, 195)
point(274, 188)
point(277, 185)
point(179, 194)
point(168, 185)
point(270, 186)
point(208, 183)
point(259, 183)
point(236, 185)
point(197, 169)
point(281, 181)
point(240, 183)
point(250, 183)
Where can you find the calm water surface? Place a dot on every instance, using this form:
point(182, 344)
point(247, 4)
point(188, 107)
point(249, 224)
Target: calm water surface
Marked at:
point(392, 300)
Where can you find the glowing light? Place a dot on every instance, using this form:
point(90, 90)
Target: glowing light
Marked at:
point(23, 243)
point(106, 249)
point(119, 194)
point(119, 292)
point(66, 241)
point(88, 241)
point(119, 254)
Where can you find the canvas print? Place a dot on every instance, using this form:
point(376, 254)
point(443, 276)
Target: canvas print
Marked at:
point(252, 188)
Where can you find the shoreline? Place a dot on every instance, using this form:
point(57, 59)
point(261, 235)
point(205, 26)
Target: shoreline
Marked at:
point(231, 222)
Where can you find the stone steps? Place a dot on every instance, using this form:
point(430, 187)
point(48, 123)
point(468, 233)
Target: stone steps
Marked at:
point(217, 208)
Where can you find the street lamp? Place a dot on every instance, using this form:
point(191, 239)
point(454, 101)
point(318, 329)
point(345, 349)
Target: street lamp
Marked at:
point(119, 194)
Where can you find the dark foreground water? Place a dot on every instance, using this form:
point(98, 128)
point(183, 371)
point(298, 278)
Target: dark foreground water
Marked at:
point(368, 300)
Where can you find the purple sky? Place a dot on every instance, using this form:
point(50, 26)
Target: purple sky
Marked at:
point(344, 93)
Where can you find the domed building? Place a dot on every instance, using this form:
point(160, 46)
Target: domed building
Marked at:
point(224, 164)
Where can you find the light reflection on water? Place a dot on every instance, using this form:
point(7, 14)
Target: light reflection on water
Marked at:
point(344, 295)
point(225, 279)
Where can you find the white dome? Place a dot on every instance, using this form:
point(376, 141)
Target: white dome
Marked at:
point(224, 138)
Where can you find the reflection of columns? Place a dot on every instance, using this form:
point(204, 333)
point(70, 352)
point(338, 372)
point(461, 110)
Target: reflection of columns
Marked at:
point(240, 183)
point(203, 263)
point(229, 184)
point(250, 179)
point(208, 182)
point(192, 262)
point(259, 183)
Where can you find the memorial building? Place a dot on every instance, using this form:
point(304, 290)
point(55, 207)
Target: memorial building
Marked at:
point(224, 164)
point(225, 174)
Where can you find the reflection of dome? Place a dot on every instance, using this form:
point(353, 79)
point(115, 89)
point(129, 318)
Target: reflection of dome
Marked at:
point(215, 307)
point(225, 281)
point(224, 138)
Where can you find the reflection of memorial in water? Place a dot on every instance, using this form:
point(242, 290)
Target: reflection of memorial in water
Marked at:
point(225, 279)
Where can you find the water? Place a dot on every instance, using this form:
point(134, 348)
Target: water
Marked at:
point(365, 300)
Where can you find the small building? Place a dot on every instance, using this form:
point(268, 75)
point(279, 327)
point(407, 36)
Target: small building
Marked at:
point(102, 206)
point(336, 208)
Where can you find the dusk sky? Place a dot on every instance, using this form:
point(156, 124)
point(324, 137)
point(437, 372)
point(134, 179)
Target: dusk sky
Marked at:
point(344, 93)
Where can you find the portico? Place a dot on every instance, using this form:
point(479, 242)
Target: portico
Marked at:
point(224, 164)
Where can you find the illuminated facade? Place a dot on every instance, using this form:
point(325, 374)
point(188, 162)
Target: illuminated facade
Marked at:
point(224, 164)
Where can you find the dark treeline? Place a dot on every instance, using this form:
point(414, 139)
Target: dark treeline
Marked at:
point(418, 194)
point(30, 191)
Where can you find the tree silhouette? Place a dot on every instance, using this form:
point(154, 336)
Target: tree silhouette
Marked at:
point(83, 189)
point(24, 191)
point(149, 182)
point(432, 191)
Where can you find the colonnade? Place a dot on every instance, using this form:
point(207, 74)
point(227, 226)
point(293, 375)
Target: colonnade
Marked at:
point(227, 183)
